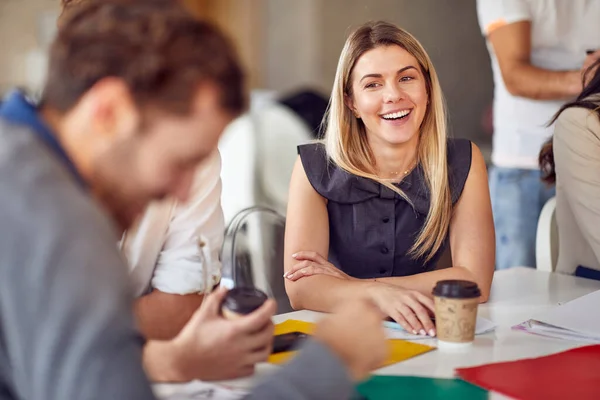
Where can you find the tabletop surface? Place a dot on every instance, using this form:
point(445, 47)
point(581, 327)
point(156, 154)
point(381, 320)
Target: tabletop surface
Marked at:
point(517, 294)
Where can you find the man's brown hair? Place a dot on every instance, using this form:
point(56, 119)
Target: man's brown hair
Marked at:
point(159, 50)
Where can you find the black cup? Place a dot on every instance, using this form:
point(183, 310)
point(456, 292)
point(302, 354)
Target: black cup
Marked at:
point(456, 289)
point(242, 301)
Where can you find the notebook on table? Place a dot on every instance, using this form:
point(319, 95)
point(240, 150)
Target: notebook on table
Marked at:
point(409, 387)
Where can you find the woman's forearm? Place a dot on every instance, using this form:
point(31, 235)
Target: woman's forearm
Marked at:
point(426, 281)
point(324, 293)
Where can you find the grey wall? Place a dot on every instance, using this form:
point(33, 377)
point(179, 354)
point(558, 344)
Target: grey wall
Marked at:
point(26, 27)
point(304, 40)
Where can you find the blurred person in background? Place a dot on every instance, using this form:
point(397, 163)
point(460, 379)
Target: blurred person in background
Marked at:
point(538, 52)
point(572, 160)
point(137, 95)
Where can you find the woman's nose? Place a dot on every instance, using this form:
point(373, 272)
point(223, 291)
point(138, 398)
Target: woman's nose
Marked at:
point(393, 94)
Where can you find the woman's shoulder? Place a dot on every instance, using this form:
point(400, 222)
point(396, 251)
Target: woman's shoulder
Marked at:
point(459, 154)
point(578, 118)
point(331, 181)
point(336, 184)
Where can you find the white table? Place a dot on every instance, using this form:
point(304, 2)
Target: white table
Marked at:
point(517, 294)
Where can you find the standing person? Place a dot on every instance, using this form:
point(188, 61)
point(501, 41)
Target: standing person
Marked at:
point(138, 93)
point(538, 50)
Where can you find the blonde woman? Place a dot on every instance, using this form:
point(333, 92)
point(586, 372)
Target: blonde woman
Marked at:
point(373, 207)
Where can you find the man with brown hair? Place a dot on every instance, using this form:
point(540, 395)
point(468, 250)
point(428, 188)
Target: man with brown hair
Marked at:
point(138, 93)
point(168, 275)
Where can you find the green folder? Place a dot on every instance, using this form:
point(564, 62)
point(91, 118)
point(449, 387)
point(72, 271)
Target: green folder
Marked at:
point(380, 387)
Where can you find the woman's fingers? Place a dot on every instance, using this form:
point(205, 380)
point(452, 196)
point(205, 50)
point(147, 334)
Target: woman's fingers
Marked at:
point(310, 255)
point(421, 313)
point(399, 318)
point(303, 273)
point(426, 301)
point(309, 268)
point(297, 267)
point(412, 319)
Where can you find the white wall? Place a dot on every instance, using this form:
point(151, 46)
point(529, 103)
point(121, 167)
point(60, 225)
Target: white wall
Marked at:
point(293, 50)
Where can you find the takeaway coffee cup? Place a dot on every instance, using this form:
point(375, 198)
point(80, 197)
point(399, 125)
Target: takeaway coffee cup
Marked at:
point(456, 305)
point(241, 301)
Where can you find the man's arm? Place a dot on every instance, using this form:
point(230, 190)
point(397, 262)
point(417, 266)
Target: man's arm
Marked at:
point(345, 347)
point(162, 315)
point(315, 373)
point(512, 46)
point(178, 280)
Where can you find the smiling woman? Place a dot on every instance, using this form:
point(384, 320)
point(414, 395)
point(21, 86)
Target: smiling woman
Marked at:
point(376, 203)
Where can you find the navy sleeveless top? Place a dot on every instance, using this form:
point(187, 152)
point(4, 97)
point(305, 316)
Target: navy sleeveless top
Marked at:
point(372, 228)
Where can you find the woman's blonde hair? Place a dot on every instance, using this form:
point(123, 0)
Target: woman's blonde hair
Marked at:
point(346, 140)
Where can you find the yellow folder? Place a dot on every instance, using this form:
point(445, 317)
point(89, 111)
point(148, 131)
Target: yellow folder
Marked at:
point(400, 350)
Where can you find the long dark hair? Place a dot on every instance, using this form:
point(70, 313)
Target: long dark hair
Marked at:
point(546, 157)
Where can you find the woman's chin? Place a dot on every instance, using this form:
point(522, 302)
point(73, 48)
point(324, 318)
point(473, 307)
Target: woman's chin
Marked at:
point(397, 139)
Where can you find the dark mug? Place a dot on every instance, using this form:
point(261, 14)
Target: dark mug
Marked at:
point(241, 301)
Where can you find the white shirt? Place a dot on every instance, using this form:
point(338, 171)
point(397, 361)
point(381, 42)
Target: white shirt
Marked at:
point(561, 32)
point(259, 150)
point(162, 247)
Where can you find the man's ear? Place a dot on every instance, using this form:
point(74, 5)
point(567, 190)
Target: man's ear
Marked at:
point(111, 110)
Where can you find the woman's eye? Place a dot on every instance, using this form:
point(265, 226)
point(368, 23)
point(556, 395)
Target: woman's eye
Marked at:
point(406, 79)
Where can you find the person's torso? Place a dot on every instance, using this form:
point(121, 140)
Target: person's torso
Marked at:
point(40, 193)
point(374, 238)
point(574, 219)
point(561, 32)
point(372, 229)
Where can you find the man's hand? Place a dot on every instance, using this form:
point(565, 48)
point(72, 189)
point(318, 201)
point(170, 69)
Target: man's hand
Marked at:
point(355, 333)
point(211, 347)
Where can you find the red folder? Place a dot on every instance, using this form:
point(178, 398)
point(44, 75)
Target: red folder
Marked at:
point(573, 374)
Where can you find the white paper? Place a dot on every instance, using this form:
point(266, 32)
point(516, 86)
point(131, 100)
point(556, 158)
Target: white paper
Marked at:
point(542, 329)
point(577, 320)
point(197, 390)
point(581, 315)
point(395, 331)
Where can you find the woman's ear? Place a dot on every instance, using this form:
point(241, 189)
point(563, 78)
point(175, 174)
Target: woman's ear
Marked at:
point(350, 104)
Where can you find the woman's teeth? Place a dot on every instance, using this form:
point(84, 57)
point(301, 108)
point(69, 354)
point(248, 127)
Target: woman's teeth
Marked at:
point(396, 115)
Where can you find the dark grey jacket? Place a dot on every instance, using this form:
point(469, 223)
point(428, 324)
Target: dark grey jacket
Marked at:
point(66, 324)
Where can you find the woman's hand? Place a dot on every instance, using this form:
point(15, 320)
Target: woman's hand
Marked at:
point(312, 263)
point(410, 309)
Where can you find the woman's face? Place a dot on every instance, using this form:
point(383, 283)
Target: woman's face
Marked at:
point(389, 94)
